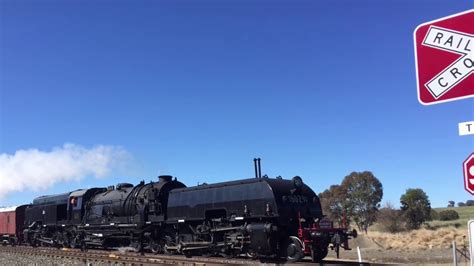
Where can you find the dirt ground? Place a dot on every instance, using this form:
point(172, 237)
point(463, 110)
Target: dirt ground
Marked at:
point(424, 257)
point(420, 247)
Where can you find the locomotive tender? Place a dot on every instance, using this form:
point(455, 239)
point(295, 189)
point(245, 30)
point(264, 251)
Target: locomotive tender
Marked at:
point(257, 217)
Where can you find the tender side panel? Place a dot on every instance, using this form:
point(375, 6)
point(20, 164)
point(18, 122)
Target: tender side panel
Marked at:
point(228, 200)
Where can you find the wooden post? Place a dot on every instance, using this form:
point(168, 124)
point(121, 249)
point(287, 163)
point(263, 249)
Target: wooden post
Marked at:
point(358, 254)
point(455, 259)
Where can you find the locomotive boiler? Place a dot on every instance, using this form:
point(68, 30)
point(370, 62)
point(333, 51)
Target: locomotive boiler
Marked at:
point(128, 215)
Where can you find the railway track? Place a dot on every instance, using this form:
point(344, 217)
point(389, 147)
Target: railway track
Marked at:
point(116, 257)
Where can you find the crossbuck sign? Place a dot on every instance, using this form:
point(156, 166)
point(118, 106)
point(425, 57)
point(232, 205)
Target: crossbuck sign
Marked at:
point(444, 52)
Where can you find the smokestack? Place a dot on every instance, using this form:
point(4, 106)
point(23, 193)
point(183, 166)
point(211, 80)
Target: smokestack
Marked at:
point(164, 178)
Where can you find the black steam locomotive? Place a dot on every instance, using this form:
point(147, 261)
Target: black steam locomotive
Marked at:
point(257, 217)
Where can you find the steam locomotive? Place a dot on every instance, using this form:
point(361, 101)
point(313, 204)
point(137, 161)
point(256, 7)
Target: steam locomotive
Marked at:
point(256, 217)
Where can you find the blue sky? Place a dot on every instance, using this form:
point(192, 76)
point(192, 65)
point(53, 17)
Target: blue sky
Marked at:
point(197, 90)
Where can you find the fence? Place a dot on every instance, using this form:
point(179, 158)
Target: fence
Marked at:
point(461, 254)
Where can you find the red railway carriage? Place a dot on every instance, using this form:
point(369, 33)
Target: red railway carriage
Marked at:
point(11, 224)
point(7, 225)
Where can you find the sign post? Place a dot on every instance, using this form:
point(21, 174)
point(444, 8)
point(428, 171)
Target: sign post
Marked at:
point(444, 53)
point(470, 228)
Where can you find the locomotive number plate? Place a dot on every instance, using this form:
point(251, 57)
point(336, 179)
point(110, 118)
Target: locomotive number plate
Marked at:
point(325, 224)
point(295, 199)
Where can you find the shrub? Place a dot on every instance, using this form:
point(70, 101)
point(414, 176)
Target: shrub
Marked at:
point(461, 204)
point(448, 215)
point(434, 215)
point(470, 203)
point(390, 219)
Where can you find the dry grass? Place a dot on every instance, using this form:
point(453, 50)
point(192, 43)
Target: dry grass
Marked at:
point(418, 239)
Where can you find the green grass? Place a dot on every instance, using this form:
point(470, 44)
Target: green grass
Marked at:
point(465, 214)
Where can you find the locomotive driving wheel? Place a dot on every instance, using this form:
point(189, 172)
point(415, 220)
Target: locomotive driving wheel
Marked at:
point(294, 251)
point(251, 254)
point(59, 240)
point(207, 253)
point(13, 242)
point(34, 242)
point(156, 246)
point(74, 242)
point(229, 253)
point(137, 246)
point(187, 253)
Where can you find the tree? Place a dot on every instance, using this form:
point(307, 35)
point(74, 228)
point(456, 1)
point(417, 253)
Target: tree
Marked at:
point(461, 204)
point(363, 193)
point(450, 203)
point(416, 207)
point(390, 219)
point(470, 203)
point(333, 204)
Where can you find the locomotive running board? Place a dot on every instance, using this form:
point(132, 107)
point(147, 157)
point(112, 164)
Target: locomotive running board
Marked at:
point(93, 243)
point(205, 246)
point(46, 240)
point(102, 226)
point(195, 243)
point(227, 229)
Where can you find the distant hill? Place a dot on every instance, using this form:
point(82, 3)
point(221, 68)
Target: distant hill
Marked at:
point(465, 214)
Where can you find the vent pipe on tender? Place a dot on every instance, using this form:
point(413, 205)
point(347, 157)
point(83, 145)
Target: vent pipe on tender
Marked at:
point(257, 167)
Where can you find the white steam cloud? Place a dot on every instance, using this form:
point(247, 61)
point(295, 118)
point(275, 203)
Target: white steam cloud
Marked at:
point(33, 169)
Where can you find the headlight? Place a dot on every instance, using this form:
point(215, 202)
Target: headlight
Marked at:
point(297, 182)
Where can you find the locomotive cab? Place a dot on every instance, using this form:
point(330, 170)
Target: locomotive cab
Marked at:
point(77, 203)
point(46, 220)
